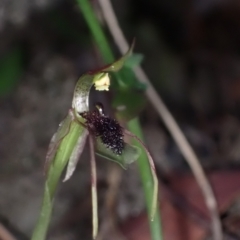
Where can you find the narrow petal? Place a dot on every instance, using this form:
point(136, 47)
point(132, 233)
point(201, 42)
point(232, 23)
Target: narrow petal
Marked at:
point(77, 151)
point(117, 65)
point(56, 139)
point(153, 171)
point(94, 189)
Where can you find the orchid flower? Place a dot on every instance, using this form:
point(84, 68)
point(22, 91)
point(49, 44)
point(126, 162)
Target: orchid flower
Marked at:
point(105, 135)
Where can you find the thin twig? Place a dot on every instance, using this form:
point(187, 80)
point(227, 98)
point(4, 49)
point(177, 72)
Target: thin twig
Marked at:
point(5, 234)
point(94, 188)
point(168, 120)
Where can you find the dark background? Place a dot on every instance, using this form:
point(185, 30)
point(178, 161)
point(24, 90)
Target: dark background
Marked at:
point(191, 54)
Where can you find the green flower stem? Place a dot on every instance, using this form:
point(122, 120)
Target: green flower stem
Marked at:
point(147, 182)
point(133, 125)
point(96, 30)
point(53, 177)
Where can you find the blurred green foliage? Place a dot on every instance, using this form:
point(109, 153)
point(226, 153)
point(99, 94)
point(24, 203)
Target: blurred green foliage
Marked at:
point(11, 69)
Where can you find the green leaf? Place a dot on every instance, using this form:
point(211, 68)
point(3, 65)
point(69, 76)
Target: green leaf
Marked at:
point(127, 80)
point(134, 60)
point(130, 154)
point(128, 104)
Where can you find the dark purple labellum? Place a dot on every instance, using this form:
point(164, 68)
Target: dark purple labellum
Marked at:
point(108, 129)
